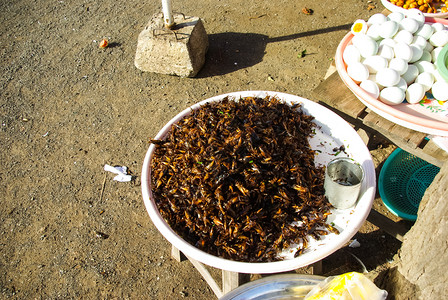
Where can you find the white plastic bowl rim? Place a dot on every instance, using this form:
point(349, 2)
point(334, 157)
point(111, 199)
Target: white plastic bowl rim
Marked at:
point(334, 131)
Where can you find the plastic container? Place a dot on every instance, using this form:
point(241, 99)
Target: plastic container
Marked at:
point(442, 62)
point(343, 180)
point(348, 286)
point(403, 180)
point(332, 131)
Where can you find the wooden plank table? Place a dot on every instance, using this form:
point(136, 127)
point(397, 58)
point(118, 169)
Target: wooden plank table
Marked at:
point(335, 95)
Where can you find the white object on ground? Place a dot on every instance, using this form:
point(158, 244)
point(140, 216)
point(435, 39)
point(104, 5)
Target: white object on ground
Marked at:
point(120, 171)
point(441, 141)
point(355, 244)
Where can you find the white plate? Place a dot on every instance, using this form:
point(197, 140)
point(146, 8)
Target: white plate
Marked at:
point(394, 8)
point(332, 132)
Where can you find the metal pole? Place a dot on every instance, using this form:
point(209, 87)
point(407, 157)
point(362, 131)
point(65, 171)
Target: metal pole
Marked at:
point(167, 14)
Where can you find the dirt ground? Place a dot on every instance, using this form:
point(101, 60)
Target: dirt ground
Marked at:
point(67, 108)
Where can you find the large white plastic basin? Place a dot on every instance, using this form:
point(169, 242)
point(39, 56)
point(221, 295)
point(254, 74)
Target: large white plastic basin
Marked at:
point(332, 132)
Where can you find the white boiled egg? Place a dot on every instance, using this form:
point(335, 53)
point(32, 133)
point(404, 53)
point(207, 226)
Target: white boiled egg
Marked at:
point(402, 84)
point(425, 66)
point(438, 76)
point(409, 24)
point(439, 38)
point(438, 27)
point(371, 88)
point(374, 32)
point(426, 79)
point(420, 41)
point(390, 42)
point(416, 14)
point(435, 53)
point(403, 36)
point(392, 95)
point(372, 77)
point(399, 65)
point(358, 39)
point(396, 16)
point(426, 56)
point(377, 18)
point(365, 44)
point(429, 47)
point(415, 93)
point(388, 29)
point(417, 53)
point(410, 74)
point(440, 90)
point(387, 77)
point(351, 54)
point(358, 72)
point(359, 26)
point(425, 31)
point(404, 51)
point(386, 51)
point(375, 63)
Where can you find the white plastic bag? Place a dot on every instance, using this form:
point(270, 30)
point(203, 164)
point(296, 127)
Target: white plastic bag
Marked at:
point(348, 286)
point(121, 172)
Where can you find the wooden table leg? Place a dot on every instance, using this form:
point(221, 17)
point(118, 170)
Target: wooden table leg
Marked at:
point(179, 256)
point(230, 281)
point(176, 254)
point(317, 268)
point(207, 277)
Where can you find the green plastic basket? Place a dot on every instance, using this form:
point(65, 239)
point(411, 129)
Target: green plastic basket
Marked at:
point(403, 180)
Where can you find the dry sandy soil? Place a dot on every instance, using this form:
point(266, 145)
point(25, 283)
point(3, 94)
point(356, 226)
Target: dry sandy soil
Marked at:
point(67, 108)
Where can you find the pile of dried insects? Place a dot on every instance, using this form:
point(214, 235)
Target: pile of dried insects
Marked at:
point(237, 179)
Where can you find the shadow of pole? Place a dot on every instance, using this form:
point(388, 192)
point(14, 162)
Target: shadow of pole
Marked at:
point(309, 33)
point(232, 51)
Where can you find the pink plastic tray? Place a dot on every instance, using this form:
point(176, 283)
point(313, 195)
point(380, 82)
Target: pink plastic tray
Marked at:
point(429, 116)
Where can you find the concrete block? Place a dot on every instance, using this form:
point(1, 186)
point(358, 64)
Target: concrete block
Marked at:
point(179, 51)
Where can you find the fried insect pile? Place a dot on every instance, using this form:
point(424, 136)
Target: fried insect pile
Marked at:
point(237, 179)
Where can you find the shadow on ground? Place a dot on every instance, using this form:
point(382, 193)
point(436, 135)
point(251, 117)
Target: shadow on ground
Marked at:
point(375, 248)
point(232, 51)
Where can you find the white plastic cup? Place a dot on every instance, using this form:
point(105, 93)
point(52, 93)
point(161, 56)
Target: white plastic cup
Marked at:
point(343, 180)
